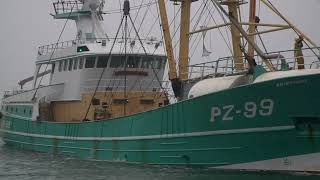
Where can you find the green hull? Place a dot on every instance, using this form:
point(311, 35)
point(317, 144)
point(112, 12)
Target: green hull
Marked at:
point(272, 125)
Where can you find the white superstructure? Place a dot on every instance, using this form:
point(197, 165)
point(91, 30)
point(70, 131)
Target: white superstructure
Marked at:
point(121, 70)
point(79, 63)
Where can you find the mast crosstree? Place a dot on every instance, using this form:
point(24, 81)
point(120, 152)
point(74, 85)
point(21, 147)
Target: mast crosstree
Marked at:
point(86, 13)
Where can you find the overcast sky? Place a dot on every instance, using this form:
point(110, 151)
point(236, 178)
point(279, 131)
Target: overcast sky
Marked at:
point(26, 24)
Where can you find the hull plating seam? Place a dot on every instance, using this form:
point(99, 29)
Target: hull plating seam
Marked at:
point(207, 133)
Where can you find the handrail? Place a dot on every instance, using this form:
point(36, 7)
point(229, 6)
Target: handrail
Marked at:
point(273, 52)
point(45, 49)
point(9, 93)
point(225, 66)
point(67, 6)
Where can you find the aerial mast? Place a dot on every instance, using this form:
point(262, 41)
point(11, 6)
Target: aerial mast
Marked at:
point(86, 13)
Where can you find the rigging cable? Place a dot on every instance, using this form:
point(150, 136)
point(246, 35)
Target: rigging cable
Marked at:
point(125, 65)
point(198, 35)
point(242, 42)
point(228, 29)
point(220, 32)
point(95, 91)
point(116, 11)
point(259, 35)
point(143, 18)
point(146, 54)
point(194, 28)
point(53, 51)
point(294, 29)
point(166, 92)
point(118, 67)
point(143, 67)
point(194, 16)
point(136, 17)
point(151, 28)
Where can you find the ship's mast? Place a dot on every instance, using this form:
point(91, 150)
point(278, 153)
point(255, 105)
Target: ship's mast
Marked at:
point(168, 40)
point(236, 36)
point(176, 81)
point(86, 13)
point(252, 26)
point(184, 40)
point(237, 33)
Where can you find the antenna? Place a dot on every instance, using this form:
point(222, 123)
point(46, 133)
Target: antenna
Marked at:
point(86, 13)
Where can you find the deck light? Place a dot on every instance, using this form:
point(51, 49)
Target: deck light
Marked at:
point(82, 49)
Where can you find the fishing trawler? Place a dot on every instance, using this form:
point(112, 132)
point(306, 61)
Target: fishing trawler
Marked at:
point(107, 99)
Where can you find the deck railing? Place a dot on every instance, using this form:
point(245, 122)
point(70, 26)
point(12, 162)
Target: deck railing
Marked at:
point(13, 92)
point(61, 7)
point(43, 50)
point(226, 66)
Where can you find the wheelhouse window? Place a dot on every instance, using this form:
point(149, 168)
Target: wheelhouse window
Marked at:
point(102, 61)
point(146, 62)
point(157, 63)
point(70, 64)
point(133, 61)
point(90, 61)
point(75, 63)
point(117, 61)
point(65, 65)
point(81, 62)
point(53, 68)
point(60, 65)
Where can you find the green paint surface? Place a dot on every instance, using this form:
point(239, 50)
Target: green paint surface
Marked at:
point(295, 103)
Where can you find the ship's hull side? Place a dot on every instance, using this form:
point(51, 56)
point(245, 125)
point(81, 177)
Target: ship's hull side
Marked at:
point(272, 125)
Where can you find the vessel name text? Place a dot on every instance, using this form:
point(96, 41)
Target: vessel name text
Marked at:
point(249, 110)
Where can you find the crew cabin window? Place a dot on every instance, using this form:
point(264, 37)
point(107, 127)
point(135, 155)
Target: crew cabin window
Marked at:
point(133, 61)
point(90, 62)
point(157, 63)
point(60, 65)
point(146, 62)
point(65, 65)
point(53, 68)
point(75, 63)
point(117, 61)
point(70, 64)
point(102, 61)
point(81, 62)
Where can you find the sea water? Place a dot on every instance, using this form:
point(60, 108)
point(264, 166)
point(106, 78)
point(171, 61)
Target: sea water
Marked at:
point(16, 164)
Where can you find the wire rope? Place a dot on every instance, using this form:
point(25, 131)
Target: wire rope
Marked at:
point(95, 91)
point(54, 49)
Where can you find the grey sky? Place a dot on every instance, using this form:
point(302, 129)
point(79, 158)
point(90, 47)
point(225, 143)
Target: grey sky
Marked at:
point(27, 24)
